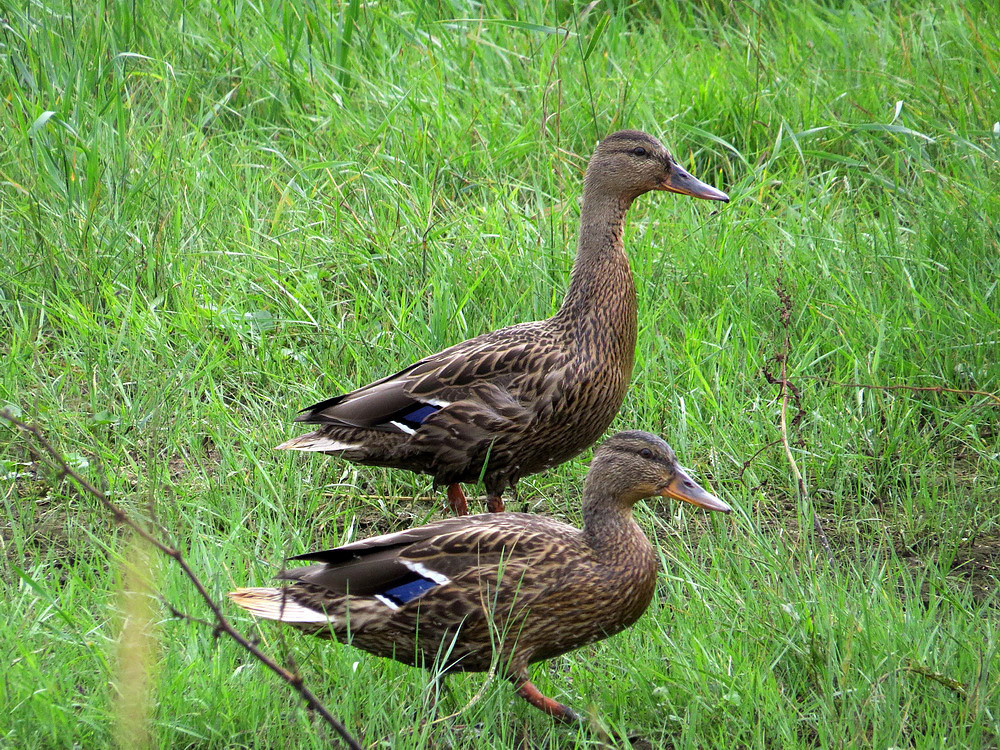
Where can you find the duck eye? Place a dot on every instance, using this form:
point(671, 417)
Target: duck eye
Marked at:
point(639, 151)
point(646, 453)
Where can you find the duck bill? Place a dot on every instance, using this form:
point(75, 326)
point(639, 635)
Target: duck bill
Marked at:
point(683, 182)
point(683, 487)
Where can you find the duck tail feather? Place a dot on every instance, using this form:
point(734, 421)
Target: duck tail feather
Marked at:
point(314, 441)
point(277, 604)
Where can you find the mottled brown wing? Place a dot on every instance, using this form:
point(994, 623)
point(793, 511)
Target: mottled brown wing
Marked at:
point(450, 549)
point(368, 566)
point(465, 392)
point(515, 542)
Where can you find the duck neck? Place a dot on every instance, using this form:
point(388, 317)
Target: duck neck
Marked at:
point(601, 295)
point(618, 545)
point(608, 525)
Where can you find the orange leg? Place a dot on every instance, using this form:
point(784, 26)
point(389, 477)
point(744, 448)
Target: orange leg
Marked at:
point(553, 708)
point(456, 500)
point(494, 503)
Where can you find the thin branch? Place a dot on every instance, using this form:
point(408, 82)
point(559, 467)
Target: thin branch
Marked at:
point(222, 625)
point(948, 682)
point(789, 390)
point(746, 464)
point(402, 498)
point(928, 388)
point(178, 615)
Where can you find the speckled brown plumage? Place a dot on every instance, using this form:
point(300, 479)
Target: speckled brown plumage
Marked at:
point(527, 397)
point(509, 588)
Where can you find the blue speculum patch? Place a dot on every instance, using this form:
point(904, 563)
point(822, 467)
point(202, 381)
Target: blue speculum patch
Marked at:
point(418, 415)
point(410, 590)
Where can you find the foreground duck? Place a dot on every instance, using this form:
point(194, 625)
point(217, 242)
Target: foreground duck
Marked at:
point(522, 399)
point(510, 588)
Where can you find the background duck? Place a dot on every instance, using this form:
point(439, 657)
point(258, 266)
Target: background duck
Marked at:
point(513, 587)
point(522, 399)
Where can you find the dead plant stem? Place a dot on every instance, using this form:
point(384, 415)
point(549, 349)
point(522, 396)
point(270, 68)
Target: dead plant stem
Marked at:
point(221, 625)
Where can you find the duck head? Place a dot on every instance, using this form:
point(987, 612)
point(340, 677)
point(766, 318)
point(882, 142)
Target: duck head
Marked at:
point(634, 465)
point(630, 163)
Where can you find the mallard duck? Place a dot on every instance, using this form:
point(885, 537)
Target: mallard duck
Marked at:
point(508, 589)
point(522, 399)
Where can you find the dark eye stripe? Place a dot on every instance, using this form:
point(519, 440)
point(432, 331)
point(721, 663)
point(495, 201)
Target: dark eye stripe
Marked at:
point(646, 453)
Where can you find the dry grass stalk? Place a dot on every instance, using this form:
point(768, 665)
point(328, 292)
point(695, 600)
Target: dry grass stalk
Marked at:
point(137, 651)
point(221, 624)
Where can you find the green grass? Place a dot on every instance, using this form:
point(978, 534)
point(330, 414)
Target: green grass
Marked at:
point(210, 217)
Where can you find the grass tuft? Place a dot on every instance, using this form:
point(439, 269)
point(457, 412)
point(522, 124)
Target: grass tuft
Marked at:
point(212, 215)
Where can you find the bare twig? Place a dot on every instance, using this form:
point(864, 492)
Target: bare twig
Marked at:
point(746, 464)
point(993, 397)
point(222, 625)
point(928, 388)
point(402, 498)
point(178, 615)
point(789, 390)
point(953, 685)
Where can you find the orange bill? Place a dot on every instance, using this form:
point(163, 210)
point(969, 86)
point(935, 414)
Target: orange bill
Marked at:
point(683, 182)
point(683, 487)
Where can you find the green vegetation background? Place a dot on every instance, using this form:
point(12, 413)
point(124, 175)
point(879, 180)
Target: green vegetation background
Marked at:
point(214, 214)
